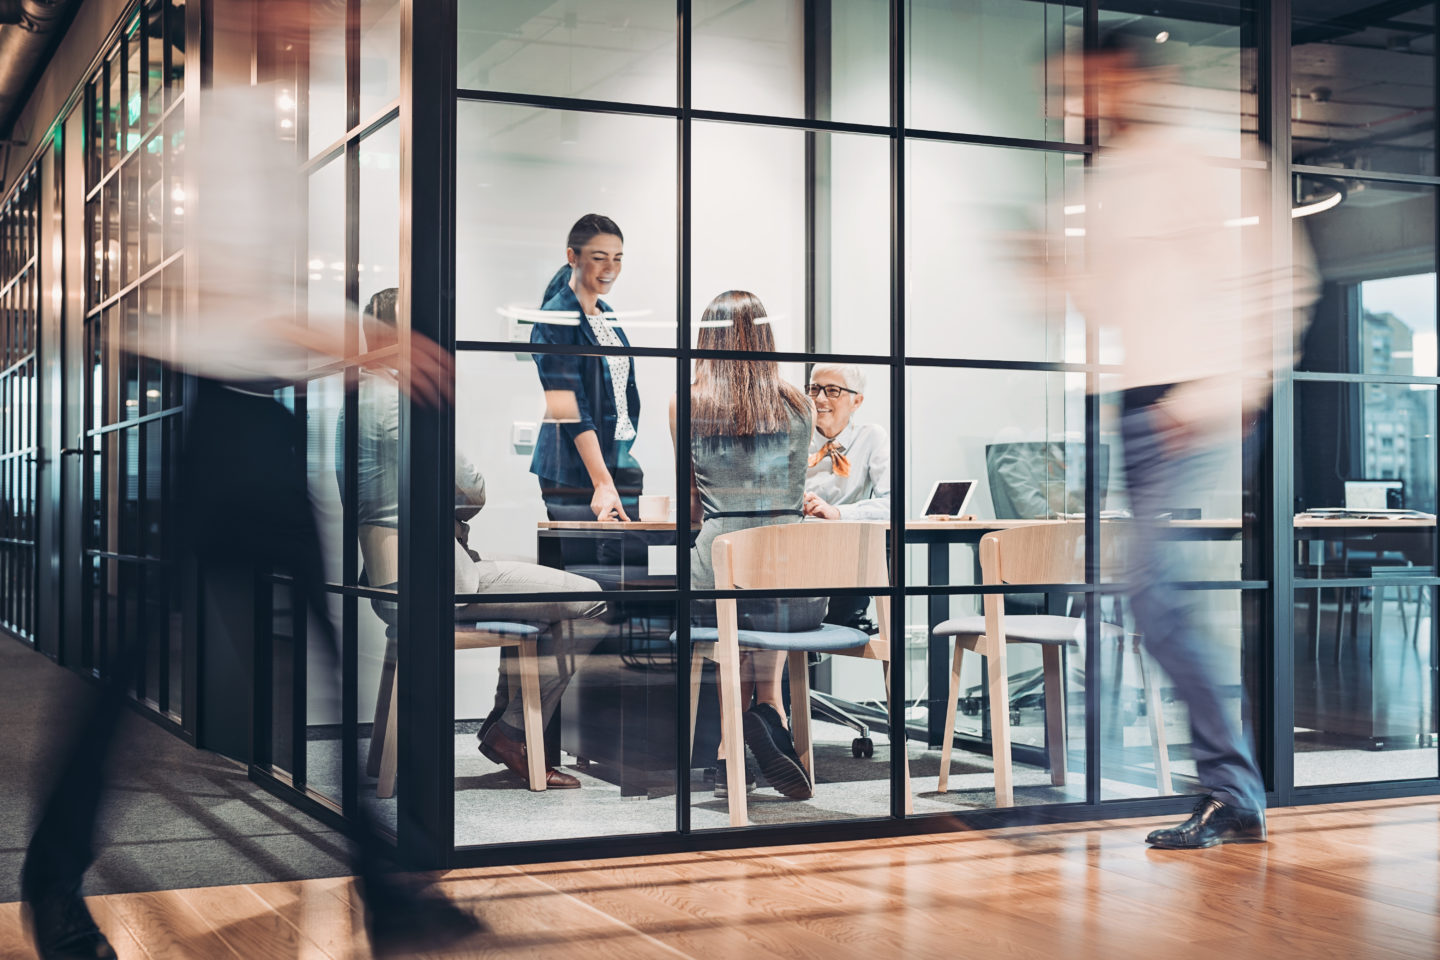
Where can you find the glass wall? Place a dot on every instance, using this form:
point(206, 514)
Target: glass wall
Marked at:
point(737, 276)
point(19, 438)
point(1364, 449)
point(135, 206)
point(794, 190)
point(337, 104)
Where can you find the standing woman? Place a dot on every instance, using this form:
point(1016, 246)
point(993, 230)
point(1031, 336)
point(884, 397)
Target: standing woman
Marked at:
point(583, 456)
point(749, 450)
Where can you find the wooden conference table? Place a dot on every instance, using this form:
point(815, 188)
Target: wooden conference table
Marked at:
point(933, 534)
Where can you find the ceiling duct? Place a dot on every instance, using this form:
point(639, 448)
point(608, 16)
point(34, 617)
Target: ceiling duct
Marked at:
point(29, 30)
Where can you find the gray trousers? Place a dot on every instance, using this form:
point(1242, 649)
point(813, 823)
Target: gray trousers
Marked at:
point(1173, 630)
point(561, 643)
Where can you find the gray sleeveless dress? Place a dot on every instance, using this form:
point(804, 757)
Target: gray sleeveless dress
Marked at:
point(751, 482)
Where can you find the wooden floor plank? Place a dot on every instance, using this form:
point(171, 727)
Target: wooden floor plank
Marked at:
point(319, 908)
point(251, 927)
point(117, 931)
point(13, 944)
point(168, 927)
point(527, 918)
point(1334, 883)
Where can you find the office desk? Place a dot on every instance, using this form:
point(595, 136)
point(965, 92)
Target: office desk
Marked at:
point(937, 535)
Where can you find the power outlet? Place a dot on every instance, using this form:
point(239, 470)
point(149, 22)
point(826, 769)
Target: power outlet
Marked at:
point(523, 435)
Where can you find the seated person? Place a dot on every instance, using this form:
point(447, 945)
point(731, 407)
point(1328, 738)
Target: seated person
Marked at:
point(849, 472)
point(749, 438)
point(378, 483)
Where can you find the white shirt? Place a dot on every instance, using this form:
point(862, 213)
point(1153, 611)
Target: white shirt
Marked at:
point(606, 336)
point(865, 494)
point(1178, 265)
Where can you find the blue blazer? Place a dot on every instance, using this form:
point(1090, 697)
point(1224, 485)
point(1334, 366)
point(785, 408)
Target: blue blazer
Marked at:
point(555, 458)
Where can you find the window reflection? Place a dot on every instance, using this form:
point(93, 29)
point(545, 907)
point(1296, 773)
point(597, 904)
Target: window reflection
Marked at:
point(601, 49)
point(1363, 85)
point(1375, 249)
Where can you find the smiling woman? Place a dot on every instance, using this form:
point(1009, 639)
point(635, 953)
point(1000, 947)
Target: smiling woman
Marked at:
point(591, 403)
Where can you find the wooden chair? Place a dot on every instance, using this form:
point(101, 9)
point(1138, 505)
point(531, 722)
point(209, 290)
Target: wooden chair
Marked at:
point(802, 556)
point(379, 546)
point(1042, 553)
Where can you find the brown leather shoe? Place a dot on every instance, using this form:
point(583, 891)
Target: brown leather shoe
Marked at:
point(501, 749)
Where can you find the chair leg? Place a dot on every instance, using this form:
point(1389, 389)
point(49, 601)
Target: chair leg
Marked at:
point(948, 745)
point(380, 729)
point(998, 684)
point(800, 710)
point(1156, 718)
point(1055, 712)
point(385, 788)
point(530, 703)
point(732, 740)
point(899, 743)
point(697, 673)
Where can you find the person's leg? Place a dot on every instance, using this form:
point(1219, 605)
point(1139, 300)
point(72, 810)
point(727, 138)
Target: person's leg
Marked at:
point(768, 670)
point(562, 642)
point(1167, 617)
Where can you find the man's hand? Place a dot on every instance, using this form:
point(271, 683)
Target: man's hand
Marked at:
point(815, 507)
point(606, 503)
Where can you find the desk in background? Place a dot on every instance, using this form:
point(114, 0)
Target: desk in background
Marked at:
point(937, 535)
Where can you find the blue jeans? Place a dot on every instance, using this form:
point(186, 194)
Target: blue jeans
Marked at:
point(1172, 628)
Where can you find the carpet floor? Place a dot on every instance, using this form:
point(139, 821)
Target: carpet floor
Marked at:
point(174, 816)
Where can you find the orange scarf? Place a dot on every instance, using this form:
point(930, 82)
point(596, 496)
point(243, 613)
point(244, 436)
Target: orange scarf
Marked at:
point(839, 463)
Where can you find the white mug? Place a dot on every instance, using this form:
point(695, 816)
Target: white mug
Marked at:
point(654, 508)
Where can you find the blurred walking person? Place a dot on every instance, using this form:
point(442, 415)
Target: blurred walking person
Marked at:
point(1172, 266)
point(245, 508)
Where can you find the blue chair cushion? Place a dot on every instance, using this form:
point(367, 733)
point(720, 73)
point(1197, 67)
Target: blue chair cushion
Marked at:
point(500, 628)
point(828, 636)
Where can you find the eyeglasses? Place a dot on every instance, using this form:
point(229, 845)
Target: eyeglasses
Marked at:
point(831, 390)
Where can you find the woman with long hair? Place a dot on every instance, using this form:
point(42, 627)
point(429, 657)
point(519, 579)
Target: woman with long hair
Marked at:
point(749, 450)
point(582, 457)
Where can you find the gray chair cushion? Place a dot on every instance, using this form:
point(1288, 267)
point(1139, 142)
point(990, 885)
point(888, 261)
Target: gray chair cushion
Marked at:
point(828, 636)
point(1030, 628)
point(499, 628)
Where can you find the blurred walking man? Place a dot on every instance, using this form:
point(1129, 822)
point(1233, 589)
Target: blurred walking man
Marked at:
point(1177, 264)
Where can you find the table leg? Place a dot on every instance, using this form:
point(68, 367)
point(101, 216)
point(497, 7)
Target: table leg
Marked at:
point(938, 657)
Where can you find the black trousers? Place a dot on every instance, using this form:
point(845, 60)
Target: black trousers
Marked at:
point(243, 505)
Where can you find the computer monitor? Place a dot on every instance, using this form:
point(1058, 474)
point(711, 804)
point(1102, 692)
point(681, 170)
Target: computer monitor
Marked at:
point(949, 498)
point(1386, 494)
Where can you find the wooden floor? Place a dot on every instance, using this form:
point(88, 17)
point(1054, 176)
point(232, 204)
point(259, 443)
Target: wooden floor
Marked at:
point(1347, 881)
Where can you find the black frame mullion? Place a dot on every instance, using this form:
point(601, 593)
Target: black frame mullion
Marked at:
point(1277, 757)
point(1094, 742)
point(426, 688)
point(350, 564)
point(899, 752)
point(684, 352)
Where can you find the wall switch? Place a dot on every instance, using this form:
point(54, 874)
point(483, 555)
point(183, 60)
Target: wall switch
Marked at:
point(523, 435)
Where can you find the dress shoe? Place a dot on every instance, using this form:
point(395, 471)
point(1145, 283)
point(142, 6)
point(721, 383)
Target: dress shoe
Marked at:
point(501, 749)
point(774, 749)
point(1214, 822)
point(61, 927)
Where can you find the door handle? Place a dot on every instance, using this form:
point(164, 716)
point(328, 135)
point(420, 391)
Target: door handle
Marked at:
point(75, 451)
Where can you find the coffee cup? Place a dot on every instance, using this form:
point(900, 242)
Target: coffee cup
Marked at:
point(654, 508)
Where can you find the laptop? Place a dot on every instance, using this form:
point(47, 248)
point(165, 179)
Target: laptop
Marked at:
point(949, 498)
point(1374, 494)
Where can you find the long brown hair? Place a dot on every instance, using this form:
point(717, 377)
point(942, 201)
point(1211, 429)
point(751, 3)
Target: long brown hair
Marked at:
point(740, 398)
